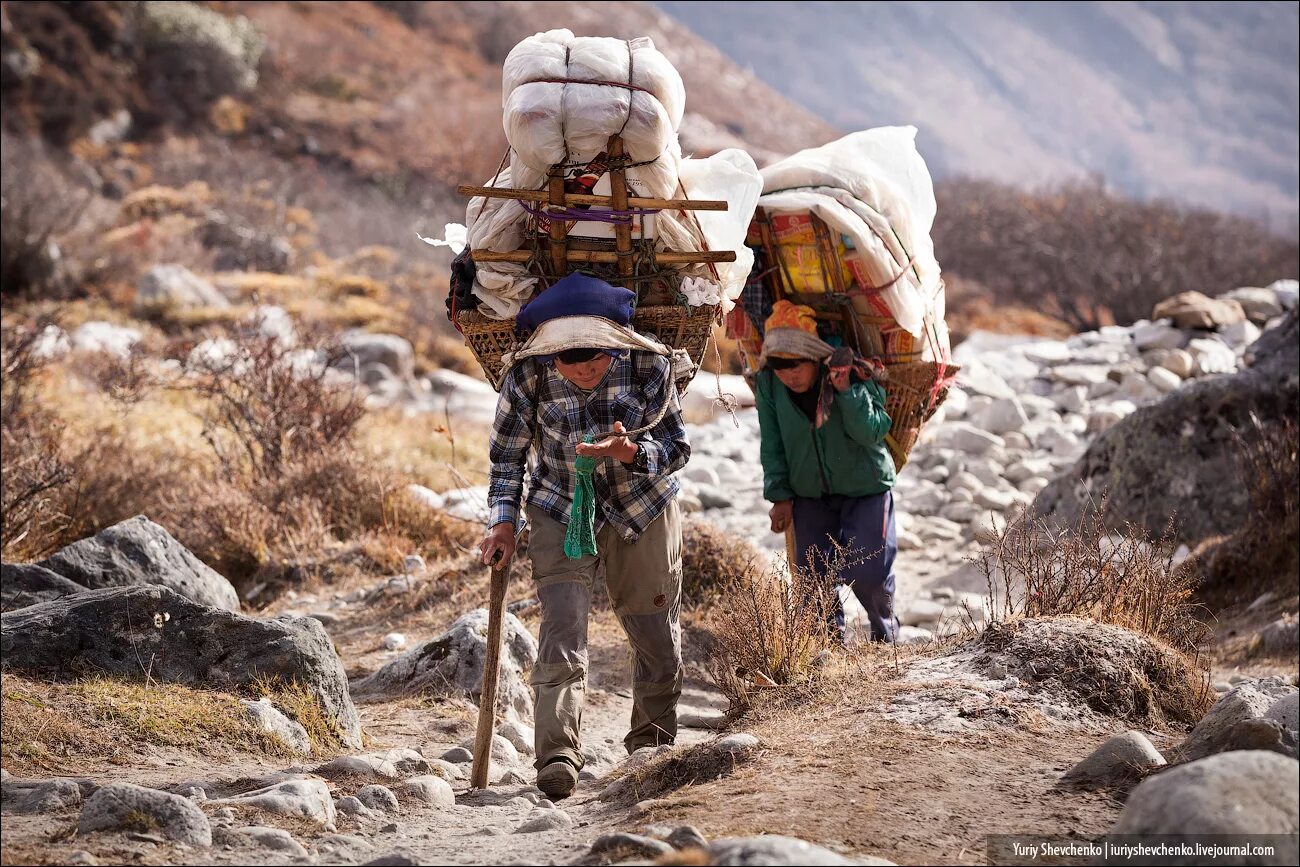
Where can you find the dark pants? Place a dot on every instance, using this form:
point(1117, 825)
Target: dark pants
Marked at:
point(864, 527)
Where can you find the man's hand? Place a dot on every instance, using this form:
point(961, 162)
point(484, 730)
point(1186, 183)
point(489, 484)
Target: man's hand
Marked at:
point(618, 447)
point(500, 540)
point(782, 515)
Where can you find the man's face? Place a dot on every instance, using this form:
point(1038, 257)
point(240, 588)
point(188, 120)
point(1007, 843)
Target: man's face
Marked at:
point(799, 378)
point(585, 374)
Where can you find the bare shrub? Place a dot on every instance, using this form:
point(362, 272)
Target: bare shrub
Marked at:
point(711, 559)
point(770, 631)
point(38, 204)
point(264, 407)
point(1037, 568)
point(1081, 253)
point(35, 466)
point(1265, 553)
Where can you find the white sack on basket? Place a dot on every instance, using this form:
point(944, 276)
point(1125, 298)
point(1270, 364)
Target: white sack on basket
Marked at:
point(874, 187)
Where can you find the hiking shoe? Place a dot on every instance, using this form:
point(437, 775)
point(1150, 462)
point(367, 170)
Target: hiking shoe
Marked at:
point(557, 779)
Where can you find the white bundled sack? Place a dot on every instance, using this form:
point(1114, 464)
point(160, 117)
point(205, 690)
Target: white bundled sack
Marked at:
point(874, 187)
point(564, 96)
point(557, 110)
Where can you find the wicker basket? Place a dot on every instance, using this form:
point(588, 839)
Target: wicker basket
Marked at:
point(913, 392)
point(678, 326)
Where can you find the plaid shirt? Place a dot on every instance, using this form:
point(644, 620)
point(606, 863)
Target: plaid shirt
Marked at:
point(628, 496)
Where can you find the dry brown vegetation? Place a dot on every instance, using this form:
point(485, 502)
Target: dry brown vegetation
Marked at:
point(1034, 567)
point(258, 469)
point(55, 727)
point(1083, 254)
point(1264, 555)
point(770, 633)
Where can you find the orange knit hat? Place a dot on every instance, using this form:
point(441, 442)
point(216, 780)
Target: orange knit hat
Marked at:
point(791, 332)
point(786, 314)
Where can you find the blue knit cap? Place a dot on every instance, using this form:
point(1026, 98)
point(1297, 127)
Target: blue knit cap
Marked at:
point(577, 295)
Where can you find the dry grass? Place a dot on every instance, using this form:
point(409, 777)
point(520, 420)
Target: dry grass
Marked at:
point(57, 727)
point(770, 632)
point(1264, 554)
point(1112, 670)
point(1036, 568)
point(268, 478)
point(711, 559)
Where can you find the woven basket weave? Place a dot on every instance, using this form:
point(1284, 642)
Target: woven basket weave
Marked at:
point(913, 392)
point(677, 326)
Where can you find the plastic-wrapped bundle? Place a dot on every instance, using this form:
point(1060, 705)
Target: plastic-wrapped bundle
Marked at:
point(564, 96)
point(873, 188)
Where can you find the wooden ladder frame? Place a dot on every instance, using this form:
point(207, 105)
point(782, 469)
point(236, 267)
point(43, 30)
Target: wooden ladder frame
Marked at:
point(563, 254)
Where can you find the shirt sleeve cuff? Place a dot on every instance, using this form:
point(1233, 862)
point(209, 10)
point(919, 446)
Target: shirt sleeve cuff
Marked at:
point(503, 513)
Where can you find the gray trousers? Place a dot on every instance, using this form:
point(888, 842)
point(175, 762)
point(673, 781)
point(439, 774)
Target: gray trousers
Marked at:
point(644, 579)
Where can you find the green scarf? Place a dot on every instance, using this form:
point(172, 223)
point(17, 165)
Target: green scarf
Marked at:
point(580, 536)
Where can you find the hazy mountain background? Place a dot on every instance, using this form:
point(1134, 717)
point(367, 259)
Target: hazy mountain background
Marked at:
point(1194, 101)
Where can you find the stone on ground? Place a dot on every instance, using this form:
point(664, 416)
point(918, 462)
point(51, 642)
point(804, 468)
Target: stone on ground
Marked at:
point(1120, 759)
point(305, 798)
point(774, 849)
point(1238, 721)
point(126, 807)
point(389, 765)
point(111, 630)
point(378, 798)
point(501, 751)
point(627, 846)
point(42, 796)
point(429, 790)
point(545, 820)
point(23, 584)
point(270, 719)
point(1242, 792)
point(138, 551)
point(274, 839)
point(452, 665)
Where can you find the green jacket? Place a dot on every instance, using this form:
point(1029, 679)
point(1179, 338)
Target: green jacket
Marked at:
point(846, 456)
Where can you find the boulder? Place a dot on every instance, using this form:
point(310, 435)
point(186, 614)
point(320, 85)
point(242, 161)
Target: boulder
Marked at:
point(138, 551)
point(176, 287)
point(1247, 792)
point(452, 664)
point(1194, 310)
point(1177, 456)
point(431, 790)
point(105, 337)
point(42, 796)
point(260, 837)
point(126, 807)
point(269, 719)
point(301, 798)
point(1259, 305)
point(1119, 760)
point(113, 630)
point(1239, 721)
point(27, 584)
point(362, 348)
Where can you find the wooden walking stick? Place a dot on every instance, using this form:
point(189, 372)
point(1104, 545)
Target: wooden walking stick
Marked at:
point(487, 703)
